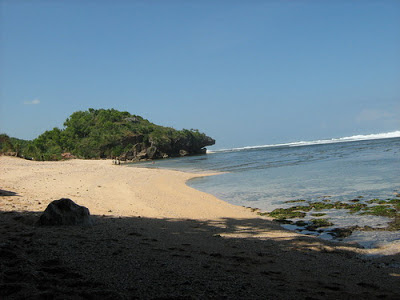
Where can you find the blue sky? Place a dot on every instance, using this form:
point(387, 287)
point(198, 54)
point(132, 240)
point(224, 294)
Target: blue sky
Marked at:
point(244, 72)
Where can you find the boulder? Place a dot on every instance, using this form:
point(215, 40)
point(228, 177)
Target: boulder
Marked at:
point(183, 152)
point(129, 155)
point(142, 154)
point(154, 147)
point(151, 152)
point(67, 155)
point(137, 148)
point(202, 151)
point(65, 212)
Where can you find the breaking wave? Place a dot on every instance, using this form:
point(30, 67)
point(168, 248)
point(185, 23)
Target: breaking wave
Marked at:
point(354, 138)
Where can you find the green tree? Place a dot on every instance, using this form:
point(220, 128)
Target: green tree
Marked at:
point(98, 133)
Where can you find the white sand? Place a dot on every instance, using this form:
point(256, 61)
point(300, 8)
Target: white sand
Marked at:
point(186, 244)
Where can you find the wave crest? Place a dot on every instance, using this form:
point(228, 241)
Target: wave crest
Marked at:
point(354, 138)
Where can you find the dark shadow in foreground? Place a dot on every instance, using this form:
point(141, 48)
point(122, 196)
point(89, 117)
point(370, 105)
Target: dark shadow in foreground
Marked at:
point(141, 258)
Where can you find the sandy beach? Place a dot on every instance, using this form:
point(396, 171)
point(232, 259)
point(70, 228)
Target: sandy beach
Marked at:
point(156, 238)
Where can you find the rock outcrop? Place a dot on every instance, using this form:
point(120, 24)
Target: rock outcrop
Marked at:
point(65, 212)
point(164, 148)
point(109, 133)
point(67, 155)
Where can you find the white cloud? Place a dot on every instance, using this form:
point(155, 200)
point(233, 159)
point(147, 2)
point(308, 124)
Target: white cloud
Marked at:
point(33, 102)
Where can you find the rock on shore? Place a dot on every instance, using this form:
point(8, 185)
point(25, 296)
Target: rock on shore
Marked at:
point(65, 212)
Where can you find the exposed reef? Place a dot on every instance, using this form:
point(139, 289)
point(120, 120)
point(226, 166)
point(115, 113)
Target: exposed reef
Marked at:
point(306, 215)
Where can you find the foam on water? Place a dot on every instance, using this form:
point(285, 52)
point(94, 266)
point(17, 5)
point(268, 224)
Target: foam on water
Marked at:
point(266, 177)
point(354, 138)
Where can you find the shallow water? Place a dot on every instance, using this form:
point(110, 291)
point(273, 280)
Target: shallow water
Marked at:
point(266, 177)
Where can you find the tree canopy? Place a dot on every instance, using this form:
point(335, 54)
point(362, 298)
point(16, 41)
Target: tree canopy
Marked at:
point(107, 133)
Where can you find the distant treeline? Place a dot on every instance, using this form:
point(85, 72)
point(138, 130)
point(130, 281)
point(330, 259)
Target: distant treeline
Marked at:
point(108, 133)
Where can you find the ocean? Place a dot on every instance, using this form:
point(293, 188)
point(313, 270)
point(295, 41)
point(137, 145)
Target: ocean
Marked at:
point(267, 177)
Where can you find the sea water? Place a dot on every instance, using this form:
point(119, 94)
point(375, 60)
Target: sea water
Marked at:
point(266, 177)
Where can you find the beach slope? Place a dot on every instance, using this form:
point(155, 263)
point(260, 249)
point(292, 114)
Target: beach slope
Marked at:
point(155, 237)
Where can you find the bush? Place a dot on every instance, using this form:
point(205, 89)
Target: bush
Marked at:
point(102, 133)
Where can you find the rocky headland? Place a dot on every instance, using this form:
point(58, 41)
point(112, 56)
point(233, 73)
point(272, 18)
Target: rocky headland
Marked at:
point(108, 133)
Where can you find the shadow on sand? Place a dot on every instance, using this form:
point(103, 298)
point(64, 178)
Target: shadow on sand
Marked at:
point(7, 193)
point(141, 258)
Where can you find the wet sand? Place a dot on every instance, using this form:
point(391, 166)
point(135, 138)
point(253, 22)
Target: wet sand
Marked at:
point(156, 238)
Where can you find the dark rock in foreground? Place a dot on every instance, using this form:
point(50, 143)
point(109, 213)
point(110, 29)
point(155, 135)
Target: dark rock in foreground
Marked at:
point(65, 212)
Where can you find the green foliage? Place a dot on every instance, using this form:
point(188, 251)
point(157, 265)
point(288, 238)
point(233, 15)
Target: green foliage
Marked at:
point(18, 147)
point(102, 133)
point(5, 143)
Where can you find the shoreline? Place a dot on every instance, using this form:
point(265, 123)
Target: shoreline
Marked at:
point(370, 248)
point(150, 218)
point(111, 190)
point(147, 192)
